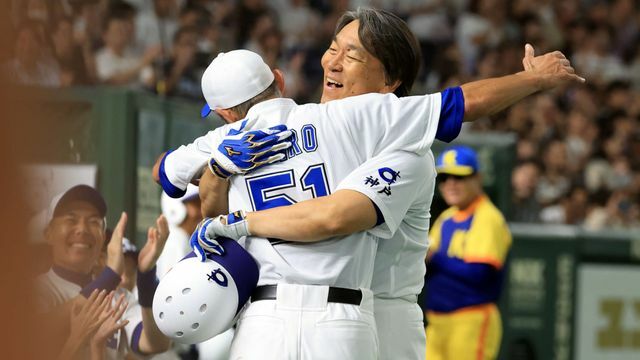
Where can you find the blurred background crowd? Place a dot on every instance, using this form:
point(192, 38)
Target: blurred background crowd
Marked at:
point(578, 149)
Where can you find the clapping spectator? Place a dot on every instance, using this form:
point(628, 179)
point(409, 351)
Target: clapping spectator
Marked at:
point(76, 232)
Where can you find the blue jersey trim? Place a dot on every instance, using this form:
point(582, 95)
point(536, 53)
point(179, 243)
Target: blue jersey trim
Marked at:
point(451, 114)
point(107, 280)
point(171, 190)
point(379, 215)
point(135, 339)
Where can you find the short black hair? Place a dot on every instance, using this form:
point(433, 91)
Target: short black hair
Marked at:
point(269, 93)
point(388, 38)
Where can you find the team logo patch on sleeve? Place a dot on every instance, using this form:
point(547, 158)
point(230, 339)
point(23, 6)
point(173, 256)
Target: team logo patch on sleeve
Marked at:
point(388, 175)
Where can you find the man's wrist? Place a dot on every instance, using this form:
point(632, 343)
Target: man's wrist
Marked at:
point(115, 268)
point(107, 280)
point(238, 221)
point(533, 79)
point(73, 344)
point(218, 170)
point(147, 283)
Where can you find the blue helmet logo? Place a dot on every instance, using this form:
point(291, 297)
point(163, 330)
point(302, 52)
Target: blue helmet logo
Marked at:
point(219, 277)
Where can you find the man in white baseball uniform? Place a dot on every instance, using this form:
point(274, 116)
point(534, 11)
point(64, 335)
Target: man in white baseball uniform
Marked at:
point(333, 318)
point(340, 264)
point(76, 233)
point(396, 282)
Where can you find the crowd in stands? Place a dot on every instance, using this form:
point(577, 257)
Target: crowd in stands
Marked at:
point(578, 150)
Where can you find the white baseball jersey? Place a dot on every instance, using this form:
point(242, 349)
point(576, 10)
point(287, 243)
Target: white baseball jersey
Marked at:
point(332, 139)
point(399, 265)
point(399, 268)
point(58, 286)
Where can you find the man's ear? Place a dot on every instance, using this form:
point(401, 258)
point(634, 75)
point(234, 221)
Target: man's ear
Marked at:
point(279, 80)
point(392, 87)
point(478, 181)
point(48, 234)
point(227, 115)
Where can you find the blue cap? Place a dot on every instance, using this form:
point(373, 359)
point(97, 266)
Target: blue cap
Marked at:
point(457, 160)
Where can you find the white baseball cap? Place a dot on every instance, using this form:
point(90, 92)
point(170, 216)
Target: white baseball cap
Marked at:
point(233, 78)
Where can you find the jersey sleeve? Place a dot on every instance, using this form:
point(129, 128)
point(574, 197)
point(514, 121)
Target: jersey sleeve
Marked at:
point(180, 166)
point(384, 122)
point(451, 114)
point(391, 180)
point(491, 238)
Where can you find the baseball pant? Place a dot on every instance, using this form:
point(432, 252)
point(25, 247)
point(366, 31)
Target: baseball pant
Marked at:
point(216, 348)
point(300, 324)
point(400, 329)
point(471, 333)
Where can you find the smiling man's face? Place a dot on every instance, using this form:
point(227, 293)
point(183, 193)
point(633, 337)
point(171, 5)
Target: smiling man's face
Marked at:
point(76, 236)
point(349, 69)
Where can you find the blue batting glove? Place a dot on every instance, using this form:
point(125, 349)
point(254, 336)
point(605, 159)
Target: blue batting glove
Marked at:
point(204, 240)
point(203, 245)
point(244, 151)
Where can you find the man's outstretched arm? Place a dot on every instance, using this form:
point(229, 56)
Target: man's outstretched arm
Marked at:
point(490, 96)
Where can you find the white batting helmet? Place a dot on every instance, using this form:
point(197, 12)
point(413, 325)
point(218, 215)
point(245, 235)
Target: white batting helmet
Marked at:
point(196, 300)
point(174, 209)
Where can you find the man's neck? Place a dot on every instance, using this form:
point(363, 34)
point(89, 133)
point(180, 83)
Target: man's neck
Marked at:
point(75, 276)
point(471, 203)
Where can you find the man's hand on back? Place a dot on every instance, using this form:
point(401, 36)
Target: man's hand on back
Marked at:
point(244, 151)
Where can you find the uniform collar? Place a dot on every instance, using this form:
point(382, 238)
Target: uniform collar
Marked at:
point(462, 215)
point(77, 278)
point(269, 106)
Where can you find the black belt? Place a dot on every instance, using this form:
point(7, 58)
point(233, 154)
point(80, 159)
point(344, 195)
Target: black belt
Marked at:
point(336, 294)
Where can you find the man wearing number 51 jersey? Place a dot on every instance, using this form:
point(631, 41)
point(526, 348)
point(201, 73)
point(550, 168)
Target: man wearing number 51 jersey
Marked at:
point(328, 281)
point(332, 138)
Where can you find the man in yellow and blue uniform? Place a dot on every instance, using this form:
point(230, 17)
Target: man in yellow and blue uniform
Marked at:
point(465, 266)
